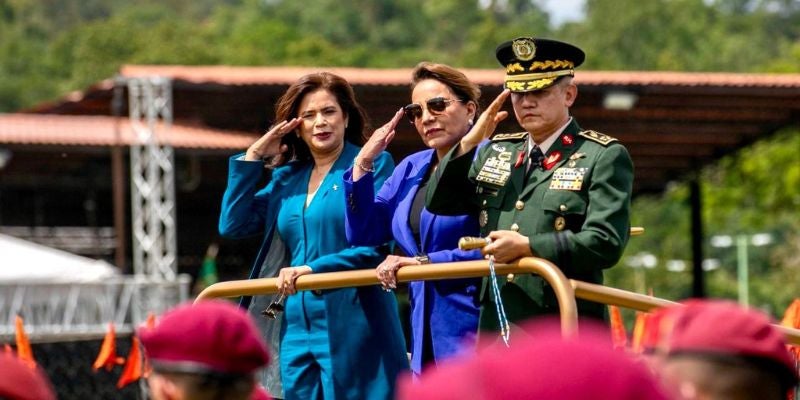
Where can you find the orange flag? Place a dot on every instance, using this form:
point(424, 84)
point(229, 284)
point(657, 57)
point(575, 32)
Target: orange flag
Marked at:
point(639, 328)
point(791, 317)
point(150, 324)
point(24, 350)
point(133, 365)
point(619, 338)
point(108, 351)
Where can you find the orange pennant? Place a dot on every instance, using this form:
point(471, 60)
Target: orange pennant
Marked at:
point(151, 321)
point(150, 324)
point(791, 317)
point(133, 365)
point(24, 350)
point(107, 357)
point(639, 327)
point(619, 337)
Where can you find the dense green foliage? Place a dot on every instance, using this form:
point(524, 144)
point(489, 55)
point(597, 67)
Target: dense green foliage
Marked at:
point(51, 47)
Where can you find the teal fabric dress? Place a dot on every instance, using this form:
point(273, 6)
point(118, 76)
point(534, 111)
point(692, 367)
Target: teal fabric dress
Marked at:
point(333, 344)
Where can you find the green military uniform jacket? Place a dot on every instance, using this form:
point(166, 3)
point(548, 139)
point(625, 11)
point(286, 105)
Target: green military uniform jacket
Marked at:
point(575, 210)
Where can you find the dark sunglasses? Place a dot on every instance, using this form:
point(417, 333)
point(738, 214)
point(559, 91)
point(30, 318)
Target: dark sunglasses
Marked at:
point(274, 308)
point(436, 105)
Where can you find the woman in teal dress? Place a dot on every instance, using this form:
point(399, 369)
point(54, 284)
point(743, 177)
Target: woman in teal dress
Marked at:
point(332, 344)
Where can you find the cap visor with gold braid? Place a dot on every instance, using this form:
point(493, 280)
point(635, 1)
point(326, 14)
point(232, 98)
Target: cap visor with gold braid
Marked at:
point(535, 64)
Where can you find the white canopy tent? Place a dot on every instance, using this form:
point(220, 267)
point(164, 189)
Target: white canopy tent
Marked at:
point(22, 261)
point(63, 296)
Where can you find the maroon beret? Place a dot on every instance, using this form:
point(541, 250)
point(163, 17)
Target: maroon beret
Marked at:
point(211, 336)
point(259, 393)
point(18, 381)
point(725, 328)
point(540, 366)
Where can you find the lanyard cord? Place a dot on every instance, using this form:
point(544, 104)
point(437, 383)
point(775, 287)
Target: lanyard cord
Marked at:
point(505, 328)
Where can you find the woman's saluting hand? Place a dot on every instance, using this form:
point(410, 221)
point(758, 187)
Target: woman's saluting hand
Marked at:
point(375, 145)
point(270, 145)
point(486, 124)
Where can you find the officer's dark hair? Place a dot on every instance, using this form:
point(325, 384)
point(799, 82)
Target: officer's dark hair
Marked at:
point(462, 87)
point(288, 105)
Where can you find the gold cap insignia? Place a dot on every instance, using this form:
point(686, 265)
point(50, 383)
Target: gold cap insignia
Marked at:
point(524, 49)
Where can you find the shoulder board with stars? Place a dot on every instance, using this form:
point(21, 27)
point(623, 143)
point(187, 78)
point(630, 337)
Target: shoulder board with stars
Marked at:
point(510, 136)
point(598, 137)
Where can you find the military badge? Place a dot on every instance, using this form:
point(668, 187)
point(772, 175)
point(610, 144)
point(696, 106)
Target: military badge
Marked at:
point(598, 137)
point(573, 158)
point(551, 160)
point(568, 178)
point(567, 140)
point(524, 49)
point(483, 218)
point(496, 169)
point(498, 148)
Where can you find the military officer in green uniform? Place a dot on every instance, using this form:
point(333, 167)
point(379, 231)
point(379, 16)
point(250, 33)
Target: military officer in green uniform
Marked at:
point(554, 191)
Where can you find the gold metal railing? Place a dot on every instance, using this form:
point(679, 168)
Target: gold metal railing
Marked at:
point(566, 290)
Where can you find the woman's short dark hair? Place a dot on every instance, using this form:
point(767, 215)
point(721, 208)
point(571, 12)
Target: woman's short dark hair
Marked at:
point(287, 108)
point(463, 88)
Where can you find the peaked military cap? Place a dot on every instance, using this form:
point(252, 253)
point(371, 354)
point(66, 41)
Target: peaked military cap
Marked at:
point(534, 64)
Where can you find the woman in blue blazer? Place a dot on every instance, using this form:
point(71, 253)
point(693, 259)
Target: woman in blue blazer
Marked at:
point(444, 314)
point(333, 344)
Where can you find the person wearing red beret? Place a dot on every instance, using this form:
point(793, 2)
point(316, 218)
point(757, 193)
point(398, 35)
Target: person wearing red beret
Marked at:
point(18, 381)
point(211, 350)
point(540, 364)
point(717, 349)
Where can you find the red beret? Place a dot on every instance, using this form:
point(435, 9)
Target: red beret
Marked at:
point(18, 381)
point(724, 327)
point(259, 393)
point(540, 366)
point(213, 336)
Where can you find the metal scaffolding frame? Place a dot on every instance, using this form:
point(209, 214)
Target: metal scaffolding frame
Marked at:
point(152, 178)
point(76, 311)
point(72, 311)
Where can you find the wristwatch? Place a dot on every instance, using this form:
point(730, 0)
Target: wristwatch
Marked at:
point(423, 259)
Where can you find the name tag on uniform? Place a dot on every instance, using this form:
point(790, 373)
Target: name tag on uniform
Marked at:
point(496, 169)
point(568, 178)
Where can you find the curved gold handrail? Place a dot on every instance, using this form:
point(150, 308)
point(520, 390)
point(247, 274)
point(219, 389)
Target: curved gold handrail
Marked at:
point(367, 277)
point(566, 290)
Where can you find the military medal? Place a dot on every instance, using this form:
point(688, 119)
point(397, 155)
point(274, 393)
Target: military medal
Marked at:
point(551, 160)
point(483, 218)
point(568, 178)
point(560, 223)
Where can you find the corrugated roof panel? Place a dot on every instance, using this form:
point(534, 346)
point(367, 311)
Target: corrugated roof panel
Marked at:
point(101, 131)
